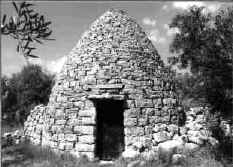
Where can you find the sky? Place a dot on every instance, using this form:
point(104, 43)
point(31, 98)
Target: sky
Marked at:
point(70, 19)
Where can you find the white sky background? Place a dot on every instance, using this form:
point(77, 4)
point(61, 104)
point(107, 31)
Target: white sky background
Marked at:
point(71, 19)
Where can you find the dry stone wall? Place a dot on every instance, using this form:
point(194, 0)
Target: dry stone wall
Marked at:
point(171, 139)
point(194, 131)
point(114, 59)
point(34, 124)
point(196, 127)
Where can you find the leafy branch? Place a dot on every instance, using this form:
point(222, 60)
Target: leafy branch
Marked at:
point(27, 27)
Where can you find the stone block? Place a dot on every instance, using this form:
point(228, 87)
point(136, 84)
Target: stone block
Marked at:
point(69, 145)
point(105, 95)
point(128, 141)
point(89, 104)
point(148, 111)
point(88, 130)
point(161, 136)
point(109, 86)
point(73, 122)
point(60, 122)
point(129, 131)
point(148, 130)
point(51, 121)
point(54, 137)
point(153, 119)
point(158, 102)
point(130, 104)
point(191, 147)
point(84, 147)
point(164, 112)
point(87, 120)
point(139, 131)
point(157, 111)
point(56, 128)
point(70, 137)
point(144, 103)
point(130, 121)
point(113, 91)
point(68, 129)
point(90, 79)
point(183, 130)
point(79, 104)
point(134, 131)
point(132, 113)
point(205, 134)
point(114, 81)
point(142, 121)
point(134, 95)
point(72, 115)
point(87, 113)
point(193, 133)
point(172, 128)
point(86, 139)
point(59, 113)
point(61, 137)
point(195, 140)
point(61, 146)
point(164, 119)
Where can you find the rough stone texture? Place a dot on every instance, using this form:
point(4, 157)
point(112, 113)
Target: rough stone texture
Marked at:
point(10, 138)
point(160, 136)
point(167, 138)
point(114, 59)
point(34, 124)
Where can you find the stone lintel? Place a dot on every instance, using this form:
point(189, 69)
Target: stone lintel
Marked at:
point(107, 86)
point(106, 96)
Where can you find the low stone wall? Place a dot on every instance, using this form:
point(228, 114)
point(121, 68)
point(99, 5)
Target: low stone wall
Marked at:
point(34, 124)
point(190, 137)
point(11, 138)
point(196, 126)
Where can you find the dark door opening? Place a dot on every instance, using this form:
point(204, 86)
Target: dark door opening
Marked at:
point(110, 129)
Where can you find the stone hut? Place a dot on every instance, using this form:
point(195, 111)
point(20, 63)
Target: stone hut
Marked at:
point(112, 91)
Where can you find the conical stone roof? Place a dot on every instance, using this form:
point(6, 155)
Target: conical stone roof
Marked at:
point(112, 37)
point(113, 59)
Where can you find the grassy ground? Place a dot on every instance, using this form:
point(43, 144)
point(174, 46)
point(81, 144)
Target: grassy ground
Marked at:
point(27, 155)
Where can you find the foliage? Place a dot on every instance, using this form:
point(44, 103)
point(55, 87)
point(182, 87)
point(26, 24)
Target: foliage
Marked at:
point(27, 88)
point(190, 92)
point(9, 97)
point(27, 27)
point(224, 150)
point(37, 156)
point(204, 43)
point(205, 157)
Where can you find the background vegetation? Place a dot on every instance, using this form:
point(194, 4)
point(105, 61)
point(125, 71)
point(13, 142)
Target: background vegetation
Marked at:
point(24, 90)
point(204, 44)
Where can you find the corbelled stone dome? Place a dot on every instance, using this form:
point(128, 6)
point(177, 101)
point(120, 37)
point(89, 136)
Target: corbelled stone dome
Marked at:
point(113, 38)
point(112, 90)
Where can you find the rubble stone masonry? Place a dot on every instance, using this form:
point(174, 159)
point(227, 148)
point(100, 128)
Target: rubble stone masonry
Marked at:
point(114, 59)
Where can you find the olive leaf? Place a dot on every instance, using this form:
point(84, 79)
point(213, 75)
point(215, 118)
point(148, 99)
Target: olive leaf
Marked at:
point(27, 27)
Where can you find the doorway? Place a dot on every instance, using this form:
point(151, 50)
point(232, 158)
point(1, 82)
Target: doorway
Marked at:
point(110, 129)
